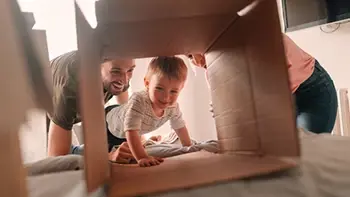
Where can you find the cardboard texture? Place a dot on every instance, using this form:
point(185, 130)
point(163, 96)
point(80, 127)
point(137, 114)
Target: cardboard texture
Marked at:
point(22, 87)
point(247, 73)
point(190, 170)
point(248, 78)
point(152, 28)
point(91, 105)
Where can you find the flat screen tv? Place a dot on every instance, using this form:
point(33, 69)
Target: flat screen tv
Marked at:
point(301, 14)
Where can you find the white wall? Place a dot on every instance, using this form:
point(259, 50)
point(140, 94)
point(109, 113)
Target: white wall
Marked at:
point(331, 49)
point(57, 17)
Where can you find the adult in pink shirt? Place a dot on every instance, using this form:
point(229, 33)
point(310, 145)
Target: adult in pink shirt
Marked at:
point(315, 95)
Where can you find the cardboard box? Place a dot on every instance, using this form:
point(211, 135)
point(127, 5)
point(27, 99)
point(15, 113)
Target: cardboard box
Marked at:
point(247, 73)
point(23, 87)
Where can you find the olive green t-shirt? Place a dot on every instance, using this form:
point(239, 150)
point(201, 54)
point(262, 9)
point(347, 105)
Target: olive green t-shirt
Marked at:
point(64, 70)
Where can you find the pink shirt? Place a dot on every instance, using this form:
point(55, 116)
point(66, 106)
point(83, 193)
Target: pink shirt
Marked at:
point(300, 64)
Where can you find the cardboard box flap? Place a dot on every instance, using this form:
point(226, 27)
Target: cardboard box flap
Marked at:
point(248, 76)
point(191, 170)
point(141, 11)
point(129, 29)
point(245, 48)
point(92, 111)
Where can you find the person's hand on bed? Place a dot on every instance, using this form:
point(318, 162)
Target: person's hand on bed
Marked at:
point(198, 60)
point(156, 138)
point(149, 161)
point(122, 154)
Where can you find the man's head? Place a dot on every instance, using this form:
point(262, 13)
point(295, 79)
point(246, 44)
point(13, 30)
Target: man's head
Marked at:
point(116, 75)
point(164, 80)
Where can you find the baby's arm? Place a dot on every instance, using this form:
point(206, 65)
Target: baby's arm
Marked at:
point(136, 147)
point(182, 133)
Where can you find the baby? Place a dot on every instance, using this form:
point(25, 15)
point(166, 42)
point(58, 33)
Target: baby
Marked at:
point(149, 109)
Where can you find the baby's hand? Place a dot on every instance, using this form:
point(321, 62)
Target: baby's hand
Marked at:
point(149, 161)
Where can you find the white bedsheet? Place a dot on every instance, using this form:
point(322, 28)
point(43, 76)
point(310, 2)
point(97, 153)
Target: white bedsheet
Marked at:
point(324, 171)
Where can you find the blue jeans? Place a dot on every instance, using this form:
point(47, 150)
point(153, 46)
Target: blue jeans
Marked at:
point(77, 149)
point(316, 102)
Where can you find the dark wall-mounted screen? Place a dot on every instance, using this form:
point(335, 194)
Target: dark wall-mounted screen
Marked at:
point(300, 14)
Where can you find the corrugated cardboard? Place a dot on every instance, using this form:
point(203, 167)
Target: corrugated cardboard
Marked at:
point(150, 28)
point(247, 73)
point(22, 87)
point(91, 105)
point(191, 170)
point(248, 79)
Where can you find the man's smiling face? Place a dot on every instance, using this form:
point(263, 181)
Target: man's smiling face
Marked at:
point(116, 75)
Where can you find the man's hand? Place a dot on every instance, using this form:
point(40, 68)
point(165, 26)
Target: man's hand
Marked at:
point(121, 155)
point(149, 161)
point(198, 60)
point(156, 138)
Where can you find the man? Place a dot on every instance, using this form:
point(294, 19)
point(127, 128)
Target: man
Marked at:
point(116, 75)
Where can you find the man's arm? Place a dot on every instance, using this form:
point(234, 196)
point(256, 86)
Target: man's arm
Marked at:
point(60, 140)
point(122, 97)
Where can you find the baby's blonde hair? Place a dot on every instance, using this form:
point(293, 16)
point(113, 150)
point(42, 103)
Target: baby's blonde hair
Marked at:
point(170, 66)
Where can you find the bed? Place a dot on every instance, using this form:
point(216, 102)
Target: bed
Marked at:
point(324, 171)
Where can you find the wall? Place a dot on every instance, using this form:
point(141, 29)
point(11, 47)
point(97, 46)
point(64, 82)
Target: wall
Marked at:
point(57, 18)
point(330, 49)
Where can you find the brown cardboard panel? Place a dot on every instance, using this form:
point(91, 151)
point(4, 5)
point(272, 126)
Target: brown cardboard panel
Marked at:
point(188, 171)
point(16, 98)
point(33, 64)
point(91, 103)
point(146, 29)
point(13, 174)
point(151, 10)
point(247, 73)
point(162, 37)
point(252, 52)
point(231, 95)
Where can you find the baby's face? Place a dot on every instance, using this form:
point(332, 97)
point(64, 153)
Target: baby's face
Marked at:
point(163, 91)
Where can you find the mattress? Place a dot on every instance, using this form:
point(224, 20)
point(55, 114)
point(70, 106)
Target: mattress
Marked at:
point(324, 171)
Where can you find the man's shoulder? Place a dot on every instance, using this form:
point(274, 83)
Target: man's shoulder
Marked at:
point(64, 68)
